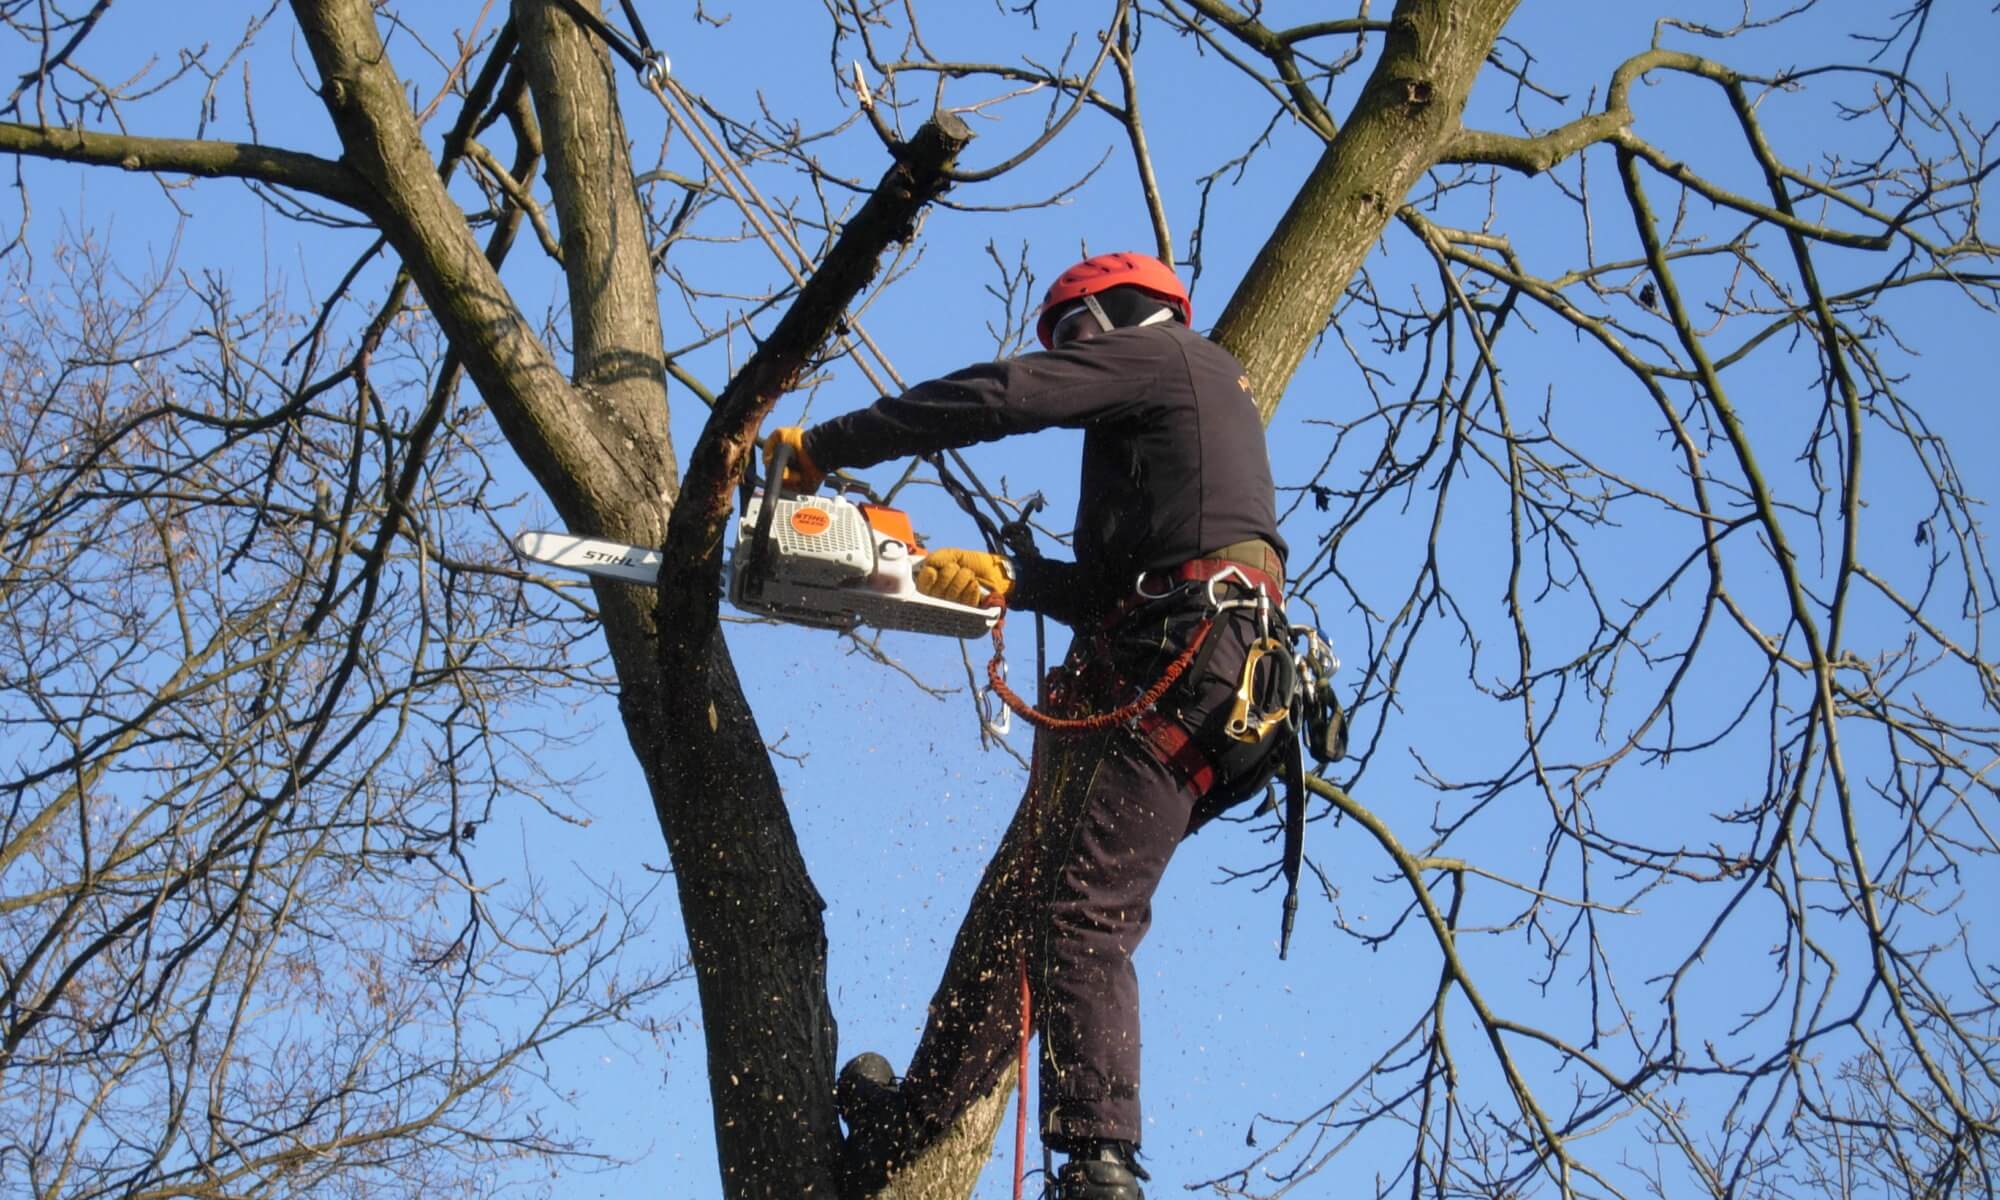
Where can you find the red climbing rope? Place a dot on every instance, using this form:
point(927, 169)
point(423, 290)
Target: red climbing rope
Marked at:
point(1021, 1086)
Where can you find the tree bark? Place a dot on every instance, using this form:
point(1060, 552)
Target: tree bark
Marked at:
point(619, 356)
point(533, 404)
point(190, 156)
point(1403, 124)
point(601, 450)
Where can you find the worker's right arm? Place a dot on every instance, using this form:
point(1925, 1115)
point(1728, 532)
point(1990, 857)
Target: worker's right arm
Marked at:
point(1068, 388)
point(1100, 379)
point(1054, 588)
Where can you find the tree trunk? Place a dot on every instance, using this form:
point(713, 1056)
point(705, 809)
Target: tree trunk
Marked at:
point(600, 448)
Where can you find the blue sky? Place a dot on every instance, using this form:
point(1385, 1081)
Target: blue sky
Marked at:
point(897, 806)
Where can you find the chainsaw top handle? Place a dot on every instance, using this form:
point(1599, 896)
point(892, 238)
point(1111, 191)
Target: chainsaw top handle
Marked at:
point(759, 566)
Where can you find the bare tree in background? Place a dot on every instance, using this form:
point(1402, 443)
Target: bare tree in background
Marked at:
point(259, 653)
point(1714, 583)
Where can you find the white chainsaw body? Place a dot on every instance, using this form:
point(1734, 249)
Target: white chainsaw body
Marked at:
point(829, 564)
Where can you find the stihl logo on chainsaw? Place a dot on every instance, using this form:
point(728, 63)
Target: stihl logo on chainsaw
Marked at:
point(629, 557)
point(811, 522)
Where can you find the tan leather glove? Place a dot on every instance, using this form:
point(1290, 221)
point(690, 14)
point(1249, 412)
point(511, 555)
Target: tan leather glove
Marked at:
point(801, 473)
point(965, 576)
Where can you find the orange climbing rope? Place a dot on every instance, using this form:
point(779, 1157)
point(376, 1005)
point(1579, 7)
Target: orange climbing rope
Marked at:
point(996, 677)
point(1021, 1086)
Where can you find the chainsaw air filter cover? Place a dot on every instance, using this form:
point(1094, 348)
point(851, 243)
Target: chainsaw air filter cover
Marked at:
point(835, 564)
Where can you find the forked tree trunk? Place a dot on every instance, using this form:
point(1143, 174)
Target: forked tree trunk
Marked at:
point(598, 444)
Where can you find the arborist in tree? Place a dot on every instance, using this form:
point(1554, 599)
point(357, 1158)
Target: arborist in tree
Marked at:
point(1179, 567)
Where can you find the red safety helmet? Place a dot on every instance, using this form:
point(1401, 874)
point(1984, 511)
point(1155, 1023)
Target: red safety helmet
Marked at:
point(1103, 272)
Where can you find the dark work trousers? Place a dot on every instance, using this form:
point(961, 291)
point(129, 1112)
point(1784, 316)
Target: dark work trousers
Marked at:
point(1075, 879)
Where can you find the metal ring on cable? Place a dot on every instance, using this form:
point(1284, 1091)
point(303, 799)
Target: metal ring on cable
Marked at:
point(656, 69)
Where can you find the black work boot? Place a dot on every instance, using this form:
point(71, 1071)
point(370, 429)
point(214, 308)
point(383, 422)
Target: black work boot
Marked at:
point(1101, 1170)
point(870, 1100)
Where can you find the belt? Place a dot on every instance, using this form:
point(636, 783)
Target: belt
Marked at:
point(1201, 570)
point(1256, 561)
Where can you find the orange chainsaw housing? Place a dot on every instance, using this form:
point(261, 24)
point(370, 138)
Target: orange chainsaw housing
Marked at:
point(892, 523)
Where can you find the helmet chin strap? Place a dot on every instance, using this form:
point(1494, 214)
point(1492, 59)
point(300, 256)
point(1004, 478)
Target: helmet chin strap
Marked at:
point(1105, 324)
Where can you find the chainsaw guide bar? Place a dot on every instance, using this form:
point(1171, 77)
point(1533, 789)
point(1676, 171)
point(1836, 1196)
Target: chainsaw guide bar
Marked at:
point(591, 556)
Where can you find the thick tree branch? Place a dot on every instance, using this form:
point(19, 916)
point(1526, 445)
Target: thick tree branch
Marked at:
point(694, 540)
point(619, 355)
point(192, 156)
point(753, 917)
point(1407, 116)
point(587, 470)
point(1533, 155)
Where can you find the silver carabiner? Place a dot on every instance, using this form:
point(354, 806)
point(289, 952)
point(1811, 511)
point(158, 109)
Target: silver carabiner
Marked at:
point(994, 715)
point(1224, 576)
point(1139, 589)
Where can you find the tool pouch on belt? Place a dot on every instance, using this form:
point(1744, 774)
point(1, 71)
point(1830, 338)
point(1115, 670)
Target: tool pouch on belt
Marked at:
point(1325, 724)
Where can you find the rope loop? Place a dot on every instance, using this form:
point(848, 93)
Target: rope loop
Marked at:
point(1126, 714)
point(657, 66)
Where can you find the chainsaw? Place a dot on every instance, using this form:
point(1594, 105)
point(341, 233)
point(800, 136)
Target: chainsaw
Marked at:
point(822, 561)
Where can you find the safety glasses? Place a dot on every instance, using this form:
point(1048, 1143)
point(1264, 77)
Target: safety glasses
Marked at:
point(1066, 326)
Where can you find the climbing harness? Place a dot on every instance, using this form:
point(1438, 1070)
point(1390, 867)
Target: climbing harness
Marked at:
point(1284, 690)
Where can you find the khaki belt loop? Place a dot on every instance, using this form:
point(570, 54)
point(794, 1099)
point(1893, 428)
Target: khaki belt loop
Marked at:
point(1257, 553)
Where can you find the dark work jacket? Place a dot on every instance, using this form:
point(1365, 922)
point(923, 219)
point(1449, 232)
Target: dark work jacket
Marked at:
point(1174, 462)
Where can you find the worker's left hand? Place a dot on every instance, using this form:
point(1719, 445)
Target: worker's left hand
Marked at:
point(801, 473)
point(965, 577)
